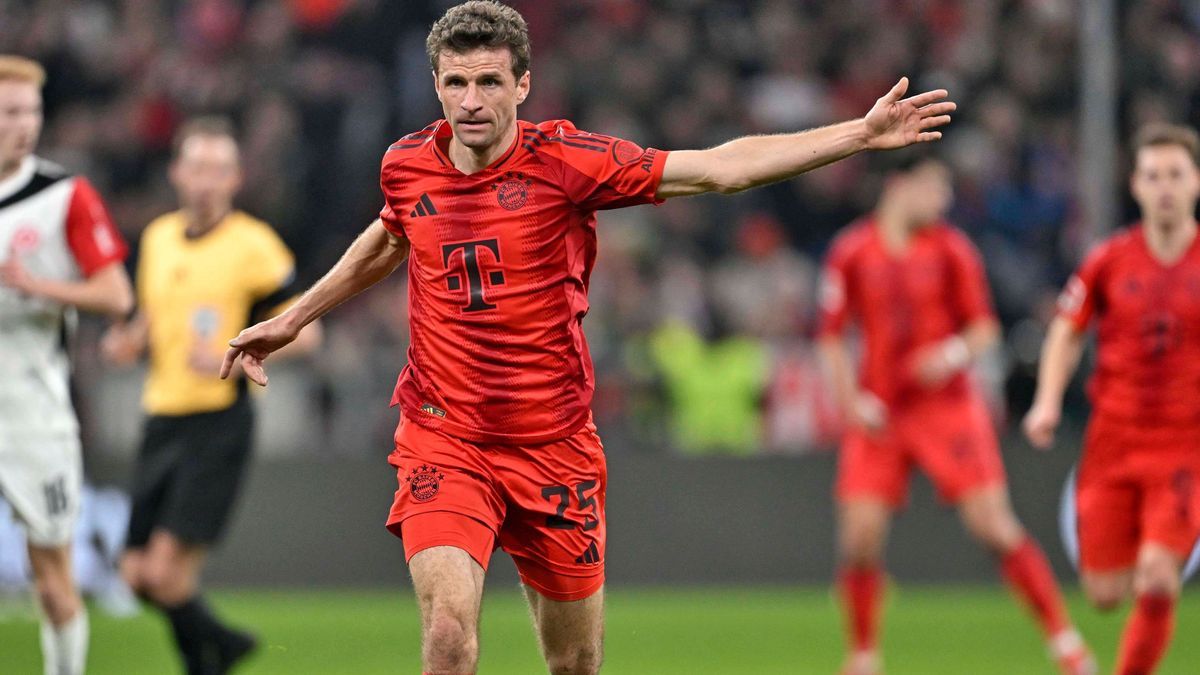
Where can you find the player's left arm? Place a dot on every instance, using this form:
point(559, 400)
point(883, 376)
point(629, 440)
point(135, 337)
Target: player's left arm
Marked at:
point(99, 253)
point(751, 161)
point(107, 291)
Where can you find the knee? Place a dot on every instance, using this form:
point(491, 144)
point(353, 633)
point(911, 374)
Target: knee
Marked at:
point(575, 660)
point(861, 546)
point(131, 572)
point(161, 582)
point(1105, 600)
point(55, 588)
point(451, 644)
point(998, 531)
point(1106, 595)
point(58, 599)
point(1157, 575)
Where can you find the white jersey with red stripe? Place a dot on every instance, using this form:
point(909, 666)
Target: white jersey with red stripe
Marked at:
point(58, 228)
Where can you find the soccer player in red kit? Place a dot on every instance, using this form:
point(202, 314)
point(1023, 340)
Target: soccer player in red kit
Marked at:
point(496, 446)
point(1138, 486)
point(915, 287)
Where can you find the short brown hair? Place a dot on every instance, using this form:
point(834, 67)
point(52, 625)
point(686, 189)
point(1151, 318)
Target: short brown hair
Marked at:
point(480, 23)
point(212, 125)
point(1159, 133)
point(21, 69)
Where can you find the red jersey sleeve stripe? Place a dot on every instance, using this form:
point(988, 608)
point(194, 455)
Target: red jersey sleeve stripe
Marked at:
point(94, 241)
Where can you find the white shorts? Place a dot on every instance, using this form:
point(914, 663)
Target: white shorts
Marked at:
point(41, 478)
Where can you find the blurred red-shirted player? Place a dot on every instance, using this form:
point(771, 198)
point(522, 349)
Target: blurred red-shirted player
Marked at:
point(915, 287)
point(1138, 488)
point(495, 445)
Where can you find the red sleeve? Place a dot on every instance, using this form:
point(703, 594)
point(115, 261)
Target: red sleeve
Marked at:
point(94, 241)
point(603, 172)
point(1078, 300)
point(834, 291)
point(971, 299)
point(391, 221)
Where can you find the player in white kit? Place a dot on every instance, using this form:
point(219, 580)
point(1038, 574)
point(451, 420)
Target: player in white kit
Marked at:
point(58, 252)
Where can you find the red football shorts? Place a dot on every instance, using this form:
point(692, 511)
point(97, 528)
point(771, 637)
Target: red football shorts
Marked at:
point(1136, 484)
point(951, 439)
point(542, 504)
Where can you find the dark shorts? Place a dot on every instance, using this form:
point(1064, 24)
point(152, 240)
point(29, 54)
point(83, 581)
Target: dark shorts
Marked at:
point(188, 472)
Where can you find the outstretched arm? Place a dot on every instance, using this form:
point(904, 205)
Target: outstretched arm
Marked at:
point(1060, 357)
point(751, 161)
point(374, 255)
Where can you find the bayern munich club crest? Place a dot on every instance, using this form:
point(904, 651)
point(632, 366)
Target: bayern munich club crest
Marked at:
point(626, 152)
point(512, 190)
point(424, 482)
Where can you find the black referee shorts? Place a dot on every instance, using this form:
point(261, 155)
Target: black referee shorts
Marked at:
point(188, 472)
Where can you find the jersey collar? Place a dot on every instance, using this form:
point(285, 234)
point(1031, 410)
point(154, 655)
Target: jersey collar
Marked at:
point(445, 133)
point(9, 186)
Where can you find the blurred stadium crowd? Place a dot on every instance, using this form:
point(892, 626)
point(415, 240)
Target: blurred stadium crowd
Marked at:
point(702, 309)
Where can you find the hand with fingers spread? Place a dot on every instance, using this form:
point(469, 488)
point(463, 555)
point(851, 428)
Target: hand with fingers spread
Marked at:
point(255, 344)
point(895, 122)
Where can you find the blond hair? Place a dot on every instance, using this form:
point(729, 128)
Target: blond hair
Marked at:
point(21, 69)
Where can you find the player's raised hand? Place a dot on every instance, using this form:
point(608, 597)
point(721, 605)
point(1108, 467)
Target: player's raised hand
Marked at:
point(255, 344)
point(1040, 423)
point(895, 121)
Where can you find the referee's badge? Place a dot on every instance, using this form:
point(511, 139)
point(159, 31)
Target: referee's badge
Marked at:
point(205, 321)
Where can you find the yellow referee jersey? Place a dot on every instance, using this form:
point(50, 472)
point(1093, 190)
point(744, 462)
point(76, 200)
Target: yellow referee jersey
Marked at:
point(197, 294)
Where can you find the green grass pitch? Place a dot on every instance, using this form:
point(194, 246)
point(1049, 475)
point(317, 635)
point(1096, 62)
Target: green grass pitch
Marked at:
point(930, 630)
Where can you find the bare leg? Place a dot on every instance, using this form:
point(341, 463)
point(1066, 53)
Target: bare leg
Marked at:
point(449, 587)
point(571, 634)
point(1157, 582)
point(64, 623)
point(1108, 590)
point(167, 573)
point(862, 535)
point(988, 516)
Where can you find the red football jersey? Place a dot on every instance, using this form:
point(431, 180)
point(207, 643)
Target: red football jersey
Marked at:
point(1148, 340)
point(498, 275)
point(902, 302)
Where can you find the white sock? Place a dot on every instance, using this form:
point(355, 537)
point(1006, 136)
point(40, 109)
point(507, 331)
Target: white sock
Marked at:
point(64, 648)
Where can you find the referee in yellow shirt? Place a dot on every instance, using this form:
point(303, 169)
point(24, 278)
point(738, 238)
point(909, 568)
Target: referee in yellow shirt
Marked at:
point(204, 273)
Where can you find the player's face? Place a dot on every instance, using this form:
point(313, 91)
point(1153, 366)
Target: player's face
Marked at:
point(20, 121)
point(479, 94)
point(207, 174)
point(1165, 183)
point(929, 193)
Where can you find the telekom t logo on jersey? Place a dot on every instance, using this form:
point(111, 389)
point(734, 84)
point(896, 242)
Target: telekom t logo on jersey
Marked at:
point(472, 270)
